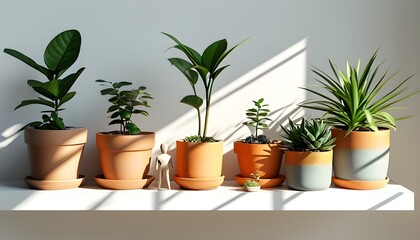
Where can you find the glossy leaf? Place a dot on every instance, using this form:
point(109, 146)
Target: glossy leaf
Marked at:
point(193, 101)
point(29, 62)
point(63, 51)
point(212, 54)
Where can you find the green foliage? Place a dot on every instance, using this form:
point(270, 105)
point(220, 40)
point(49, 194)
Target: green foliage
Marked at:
point(314, 136)
point(125, 103)
point(251, 183)
point(198, 138)
point(353, 102)
point(318, 136)
point(207, 67)
point(60, 54)
point(257, 119)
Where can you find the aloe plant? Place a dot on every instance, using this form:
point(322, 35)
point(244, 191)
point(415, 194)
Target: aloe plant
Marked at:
point(356, 99)
point(124, 104)
point(257, 118)
point(207, 67)
point(314, 136)
point(60, 54)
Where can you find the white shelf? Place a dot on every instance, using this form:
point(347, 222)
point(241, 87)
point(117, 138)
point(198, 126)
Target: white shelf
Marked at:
point(14, 195)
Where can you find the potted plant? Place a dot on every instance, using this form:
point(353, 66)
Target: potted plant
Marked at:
point(308, 158)
point(54, 149)
point(252, 185)
point(257, 153)
point(357, 105)
point(199, 157)
point(125, 154)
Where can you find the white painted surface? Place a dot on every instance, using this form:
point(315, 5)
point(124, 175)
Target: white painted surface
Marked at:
point(228, 197)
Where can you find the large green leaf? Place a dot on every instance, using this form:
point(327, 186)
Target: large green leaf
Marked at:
point(193, 101)
point(50, 89)
point(29, 61)
point(193, 55)
point(185, 67)
point(68, 82)
point(212, 54)
point(35, 101)
point(62, 51)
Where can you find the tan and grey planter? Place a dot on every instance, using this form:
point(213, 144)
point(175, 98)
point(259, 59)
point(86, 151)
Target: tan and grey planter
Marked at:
point(308, 171)
point(361, 158)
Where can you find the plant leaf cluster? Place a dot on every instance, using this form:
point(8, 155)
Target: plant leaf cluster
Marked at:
point(314, 136)
point(354, 101)
point(124, 104)
point(207, 67)
point(60, 54)
point(198, 138)
point(257, 119)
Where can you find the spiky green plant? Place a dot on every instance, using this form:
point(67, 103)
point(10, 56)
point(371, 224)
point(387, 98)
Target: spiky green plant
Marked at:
point(257, 118)
point(293, 137)
point(354, 101)
point(206, 66)
point(318, 136)
point(314, 136)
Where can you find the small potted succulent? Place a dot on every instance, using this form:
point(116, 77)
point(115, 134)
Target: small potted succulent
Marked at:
point(199, 157)
point(257, 153)
point(308, 158)
point(252, 185)
point(54, 148)
point(125, 154)
point(356, 105)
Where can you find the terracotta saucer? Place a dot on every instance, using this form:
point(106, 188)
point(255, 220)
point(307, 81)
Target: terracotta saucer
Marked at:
point(54, 185)
point(264, 183)
point(360, 185)
point(199, 183)
point(123, 184)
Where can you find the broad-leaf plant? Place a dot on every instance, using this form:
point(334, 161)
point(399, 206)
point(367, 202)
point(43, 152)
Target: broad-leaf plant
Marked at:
point(207, 67)
point(59, 55)
point(124, 104)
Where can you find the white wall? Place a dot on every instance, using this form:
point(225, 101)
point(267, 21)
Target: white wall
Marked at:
point(122, 41)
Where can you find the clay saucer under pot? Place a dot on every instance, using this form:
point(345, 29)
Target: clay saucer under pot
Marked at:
point(123, 184)
point(360, 185)
point(199, 183)
point(54, 184)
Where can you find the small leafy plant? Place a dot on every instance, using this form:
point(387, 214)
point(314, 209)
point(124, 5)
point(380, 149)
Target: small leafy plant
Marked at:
point(312, 136)
point(207, 67)
point(353, 102)
point(257, 119)
point(60, 54)
point(124, 104)
point(253, 182)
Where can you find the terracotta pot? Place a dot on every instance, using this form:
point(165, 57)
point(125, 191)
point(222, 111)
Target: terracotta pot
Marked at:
point(125, 157)
point(199, 160)
point(262, 159)
point(361, 155)
point(55, 154)
point(308, 170)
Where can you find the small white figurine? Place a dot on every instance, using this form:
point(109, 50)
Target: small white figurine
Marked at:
point(162, 165)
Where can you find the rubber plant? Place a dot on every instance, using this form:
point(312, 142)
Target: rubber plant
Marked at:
point(356, 101)
point(60, 54)
point(205, 66)
point(49, 140)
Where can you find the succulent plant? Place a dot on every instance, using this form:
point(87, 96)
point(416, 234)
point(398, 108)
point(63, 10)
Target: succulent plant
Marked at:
point(314, 136)
point(318, 136)
point(257, 119)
